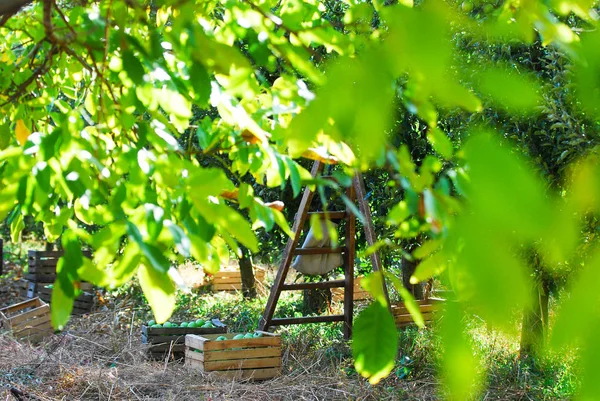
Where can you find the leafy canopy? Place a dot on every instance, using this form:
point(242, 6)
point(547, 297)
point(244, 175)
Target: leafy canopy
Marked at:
point(129, 127)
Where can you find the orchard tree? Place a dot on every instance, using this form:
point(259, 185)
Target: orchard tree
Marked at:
point(110, 109)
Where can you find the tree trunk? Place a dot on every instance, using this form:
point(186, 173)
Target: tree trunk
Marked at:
point(316, 301)
point(535, 322)
point(408, 269)
point(247, 273)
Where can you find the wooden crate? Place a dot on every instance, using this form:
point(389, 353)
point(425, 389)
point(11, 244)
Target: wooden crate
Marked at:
point(28, 320)
point(171, 341)
point(42, 265)
point(231, 280)
point(83, 304)
point(428, 308)
point(337, 294)
point(253, 358)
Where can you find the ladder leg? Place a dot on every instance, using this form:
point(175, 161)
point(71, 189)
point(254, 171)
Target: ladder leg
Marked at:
point(288, 254)
point(363, 205)
point(349, 258)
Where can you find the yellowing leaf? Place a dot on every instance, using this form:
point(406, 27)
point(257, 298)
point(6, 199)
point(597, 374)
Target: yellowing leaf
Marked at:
point(22, 132)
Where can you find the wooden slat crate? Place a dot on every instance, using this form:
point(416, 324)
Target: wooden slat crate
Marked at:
point(337, 294)
point(171, 340)
point(428, 308)
point(252, 358)
point(83, 304)
point(28, 320)
point(231, 280)
point(42, 265)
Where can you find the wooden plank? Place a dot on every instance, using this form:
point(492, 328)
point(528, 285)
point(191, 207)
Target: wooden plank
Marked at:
point(41, 269)
point(242, 343)
point(423, 308)
point(227, 273)
point(227, 280)
point(39, 311)
point(162, 348)
point(53, 254)
point(208, 342)
point(288, 255)
point(41, 277)
point(238, 354)
point(318, 251)
point(243, 364)
point(39, 321)
point(306, 286)
point(307, 319)
point(250, 374)
point(35, 302)
point(245, 374)
point(28, 331)
point(227, 287)
point(195, 341)
point(409, 318)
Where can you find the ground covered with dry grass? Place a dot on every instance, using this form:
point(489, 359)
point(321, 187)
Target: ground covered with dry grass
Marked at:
point(100, 356)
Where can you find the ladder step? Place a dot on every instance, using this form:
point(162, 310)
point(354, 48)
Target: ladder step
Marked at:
point(318, 251)
point(306, 319)
point(333, 215)
point(308, 286)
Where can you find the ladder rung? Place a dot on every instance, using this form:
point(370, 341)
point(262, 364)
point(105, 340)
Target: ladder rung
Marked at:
point(306, 319)
point(308, 286)
point(334, 215)
point(318, 251)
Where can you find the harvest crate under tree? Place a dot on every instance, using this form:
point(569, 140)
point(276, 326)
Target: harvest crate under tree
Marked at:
point(28, 320)
point(230, 279)
point(255, 358)
point(428, 307)
point(360, 294)
point(170, 341)
point(42, 274)
point(42, 265)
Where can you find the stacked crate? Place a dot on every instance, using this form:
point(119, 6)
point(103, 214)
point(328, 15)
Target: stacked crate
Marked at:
point(360, 294)
point(42, 274)
point(428, 307)
point(28, 320)
point(230, 280)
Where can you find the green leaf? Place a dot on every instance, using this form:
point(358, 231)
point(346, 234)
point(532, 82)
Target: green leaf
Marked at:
point(182, 242)
point(152, 254)
point(440, 142)
point(428, 268)
point(5, 136)
point(122, 271)
point(373, 283)
point(159, 291)
point(294, 176)
point(427, 248)
point(374, 343)
point(200, 81)
point(61, 306)
point(16, 227)
point(133, 67)
point(518, 92)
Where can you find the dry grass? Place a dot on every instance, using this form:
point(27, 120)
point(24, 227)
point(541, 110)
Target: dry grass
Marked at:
point(100, 357)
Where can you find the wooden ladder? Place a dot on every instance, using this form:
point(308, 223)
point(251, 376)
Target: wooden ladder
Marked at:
point(355, 192)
